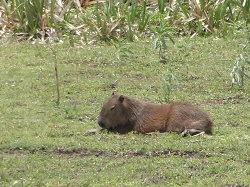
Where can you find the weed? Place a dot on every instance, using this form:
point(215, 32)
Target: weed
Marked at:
point(241, 66)
point(238, 72)
point(122, 50)
point(159, 43)
point(161, 6)
point(170, 82)
point(245, 5)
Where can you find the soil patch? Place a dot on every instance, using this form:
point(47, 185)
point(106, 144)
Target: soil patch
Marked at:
point(131, 154)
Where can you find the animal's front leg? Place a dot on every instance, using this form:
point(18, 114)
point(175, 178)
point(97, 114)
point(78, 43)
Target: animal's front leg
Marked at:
point(93, 131)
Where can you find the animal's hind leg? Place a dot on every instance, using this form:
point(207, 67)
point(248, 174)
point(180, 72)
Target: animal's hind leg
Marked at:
point(197, 128)
point(192, 132)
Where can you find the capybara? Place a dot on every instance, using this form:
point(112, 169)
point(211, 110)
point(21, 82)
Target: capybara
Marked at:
point(123, 114)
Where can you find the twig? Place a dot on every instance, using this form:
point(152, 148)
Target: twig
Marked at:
point(57, 79)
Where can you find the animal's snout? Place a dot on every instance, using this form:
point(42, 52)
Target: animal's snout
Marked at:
point(101, 123)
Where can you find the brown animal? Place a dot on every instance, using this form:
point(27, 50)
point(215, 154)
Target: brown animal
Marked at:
point(123, 114)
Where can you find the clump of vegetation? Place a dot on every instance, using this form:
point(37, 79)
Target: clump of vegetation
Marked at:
point(112, 20)
point(208, 17)
point(30, 17)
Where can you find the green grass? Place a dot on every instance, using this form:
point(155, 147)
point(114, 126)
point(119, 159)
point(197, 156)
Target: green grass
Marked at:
point(42, 144)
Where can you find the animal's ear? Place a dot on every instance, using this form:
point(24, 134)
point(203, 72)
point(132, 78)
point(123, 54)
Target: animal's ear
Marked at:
point(121, 98)
point(113, 93)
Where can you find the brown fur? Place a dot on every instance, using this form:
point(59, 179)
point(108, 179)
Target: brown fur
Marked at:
point(123, 114)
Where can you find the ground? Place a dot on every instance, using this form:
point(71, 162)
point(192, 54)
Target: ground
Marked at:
point(44, 144)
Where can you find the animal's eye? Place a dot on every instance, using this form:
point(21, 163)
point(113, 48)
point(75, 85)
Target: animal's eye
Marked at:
point(112, 107)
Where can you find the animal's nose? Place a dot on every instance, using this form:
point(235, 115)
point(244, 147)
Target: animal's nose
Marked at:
point(102, 124)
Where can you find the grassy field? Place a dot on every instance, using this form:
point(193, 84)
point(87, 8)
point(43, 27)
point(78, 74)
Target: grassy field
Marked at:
point(42, 144)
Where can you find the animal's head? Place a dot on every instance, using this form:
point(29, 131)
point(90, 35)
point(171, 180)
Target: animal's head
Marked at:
point(114, 112)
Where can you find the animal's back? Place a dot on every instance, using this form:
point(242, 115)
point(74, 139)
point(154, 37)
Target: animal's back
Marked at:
point(176, 117)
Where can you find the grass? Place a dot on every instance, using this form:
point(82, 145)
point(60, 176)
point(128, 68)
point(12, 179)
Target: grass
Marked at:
point(42, 144)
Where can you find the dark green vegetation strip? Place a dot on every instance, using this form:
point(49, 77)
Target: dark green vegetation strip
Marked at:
point(42, 144)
